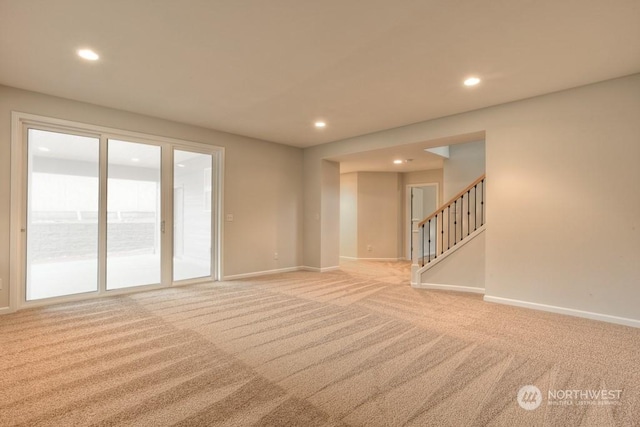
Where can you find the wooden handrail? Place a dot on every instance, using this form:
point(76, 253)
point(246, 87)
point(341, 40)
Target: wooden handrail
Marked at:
point(453, 199)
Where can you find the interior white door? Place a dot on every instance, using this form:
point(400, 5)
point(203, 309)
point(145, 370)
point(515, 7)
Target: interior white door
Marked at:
point(417, 203)
point(424, 201)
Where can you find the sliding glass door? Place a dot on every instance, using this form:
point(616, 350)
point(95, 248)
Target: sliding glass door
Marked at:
point(62, 214)
point(192, 215)
point(103, 213)
point(134, 217)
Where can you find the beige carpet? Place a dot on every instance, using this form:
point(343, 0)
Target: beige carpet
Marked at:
point(351, 347)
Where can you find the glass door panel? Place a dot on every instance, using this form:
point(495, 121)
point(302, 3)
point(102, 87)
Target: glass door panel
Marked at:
point(133, 214)
point(192, 215)
point(62, 214)
point(94, 211)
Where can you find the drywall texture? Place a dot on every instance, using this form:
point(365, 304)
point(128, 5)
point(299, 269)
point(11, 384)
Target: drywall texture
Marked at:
point(434, 176)
point(330, 214)
point(378, 215)
point(463, 267)
point(263, 182)
point(466, 162)
point(349, 215)
point(370, 215)
point(549, 237)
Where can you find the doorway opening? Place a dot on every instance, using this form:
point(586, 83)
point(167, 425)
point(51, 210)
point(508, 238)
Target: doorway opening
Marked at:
point(422, 200)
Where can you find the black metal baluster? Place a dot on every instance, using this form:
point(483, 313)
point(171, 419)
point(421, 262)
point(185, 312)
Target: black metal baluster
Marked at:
point(449, 224)
point(482, 206)
point(468, 211)
point(422, 245)
point(442, 233)
point(475, 207)
point(435, 234)
point(429, 245)
point(455, 223)
point(461, 198)
point(461, 217)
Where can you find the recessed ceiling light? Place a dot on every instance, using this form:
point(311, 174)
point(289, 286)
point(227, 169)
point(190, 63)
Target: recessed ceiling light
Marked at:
point(320, 124)
point(45, 149)
point(471, 81)
point(135, 159)
point(399, 162)
point(88, 54)
point(180, 165)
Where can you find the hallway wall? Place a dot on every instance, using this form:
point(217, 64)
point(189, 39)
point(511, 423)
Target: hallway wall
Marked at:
point(370, 215)
point(545, 203)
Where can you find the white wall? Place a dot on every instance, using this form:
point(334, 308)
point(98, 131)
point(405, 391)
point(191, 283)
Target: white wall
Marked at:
point(558, 166)
point(463, 268)
point(330, 215)
point(263, 182)
point(349, 215)
point(466, 162)
point(378, 215)
point(370, 215)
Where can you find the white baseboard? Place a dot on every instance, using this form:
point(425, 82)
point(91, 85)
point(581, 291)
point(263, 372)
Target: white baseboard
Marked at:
point(5, 310)
point(320, 270)
point(280, 270)
point(371, 259)
point(448, 287)
point(262, 273)
point(568, 311)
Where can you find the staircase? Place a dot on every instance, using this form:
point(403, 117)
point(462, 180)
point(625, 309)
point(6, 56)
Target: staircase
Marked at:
point(450, 227)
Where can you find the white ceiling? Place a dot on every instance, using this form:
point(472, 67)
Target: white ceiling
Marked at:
point(417, 159)
point(269, 69)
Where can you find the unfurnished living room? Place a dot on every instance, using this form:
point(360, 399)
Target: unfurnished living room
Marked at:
point(330, 213)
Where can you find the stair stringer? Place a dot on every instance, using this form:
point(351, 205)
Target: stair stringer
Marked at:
point(445, 269)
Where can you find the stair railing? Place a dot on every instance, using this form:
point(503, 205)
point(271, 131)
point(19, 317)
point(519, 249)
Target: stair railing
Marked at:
point(452, 222)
